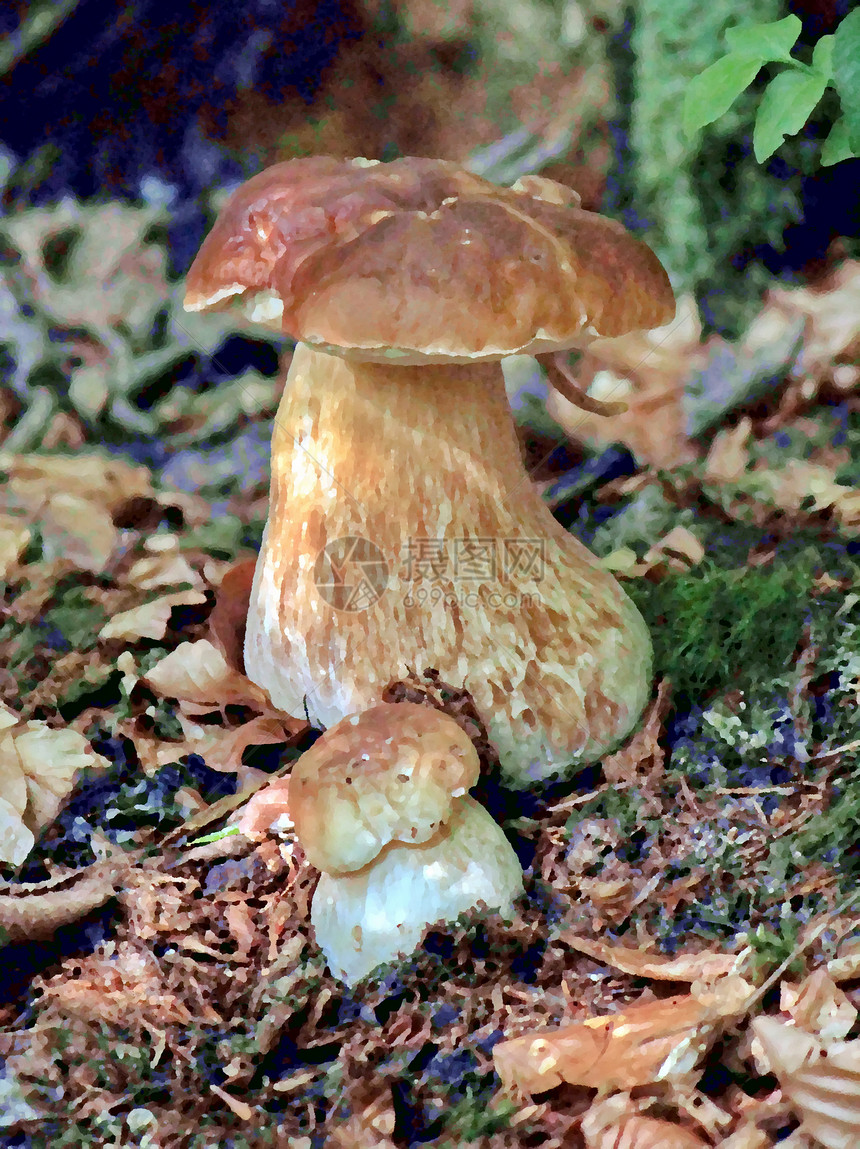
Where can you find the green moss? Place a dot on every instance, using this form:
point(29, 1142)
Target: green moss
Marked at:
point(223, 537)
point(69, 621)
point(771, 947)
point(620, 806)
point(472, 1117)
point(714, 628)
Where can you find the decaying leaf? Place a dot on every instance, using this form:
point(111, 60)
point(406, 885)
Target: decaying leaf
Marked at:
point(35, 910)
point(644, 1043)
point(268, 806)
point(71, 498)
point(819, 1006)
point(230, 613)
point(846, 965)
point(151, 619)
point(685, 967)
point(821, 1080)
point(38, 768)
point(831, 315)
point(197, 672)
point(613, 1123)
point(14, 537)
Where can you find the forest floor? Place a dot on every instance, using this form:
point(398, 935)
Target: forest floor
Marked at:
point(161, 991)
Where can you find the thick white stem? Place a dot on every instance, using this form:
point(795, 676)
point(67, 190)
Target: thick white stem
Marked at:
point(458, 566)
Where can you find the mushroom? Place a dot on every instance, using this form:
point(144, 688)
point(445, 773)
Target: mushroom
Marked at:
point(380, 805)
point(403, 531)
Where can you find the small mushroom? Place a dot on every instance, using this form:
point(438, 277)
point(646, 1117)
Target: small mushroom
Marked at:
point(380, 804)
point(403, 531)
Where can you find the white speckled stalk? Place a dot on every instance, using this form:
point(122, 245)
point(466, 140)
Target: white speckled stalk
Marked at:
point(555, 655)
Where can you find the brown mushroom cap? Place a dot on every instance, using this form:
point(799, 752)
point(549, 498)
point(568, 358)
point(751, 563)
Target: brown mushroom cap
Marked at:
point(421, 259)
point(390, 774)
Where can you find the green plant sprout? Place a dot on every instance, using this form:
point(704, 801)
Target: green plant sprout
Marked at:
point(792, 94)
point(214, 837)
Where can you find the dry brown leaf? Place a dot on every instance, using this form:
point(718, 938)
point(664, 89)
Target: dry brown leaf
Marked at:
point(268, 806)
point(223, 749)
point(78, 531)
point(798, 1140)
point(72, 498)
point(832, 314)
point(648, 371)
point(35, 910)
point(38, 767)
point(644, 1043)
point(749, 1136)
point(120, 983)
point(728, 457)
point(788, 487)
point(846, 965)
point(685, 967)
point(819, 1006)
point(678, 550)
point(166, 566)
point(103, 482)
point(149, 620)
point(16, 841)
point(642, 756)
point(197, 672)
point(604, 1127)
point(230, 613)
point(821, 1080)
point(14, 538)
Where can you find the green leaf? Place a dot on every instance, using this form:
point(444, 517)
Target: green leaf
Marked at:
point(765, 42)
point(785, 107)
point(846, 73)
point(837, 146)
point(712, 92)
point(822, 56)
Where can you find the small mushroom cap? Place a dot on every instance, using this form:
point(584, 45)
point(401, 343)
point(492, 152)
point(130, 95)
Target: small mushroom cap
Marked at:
point(419, 259)
point(390, 774)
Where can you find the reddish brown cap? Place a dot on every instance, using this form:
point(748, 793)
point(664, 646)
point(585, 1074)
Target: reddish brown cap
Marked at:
point(427, 259)
point(391, 773)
